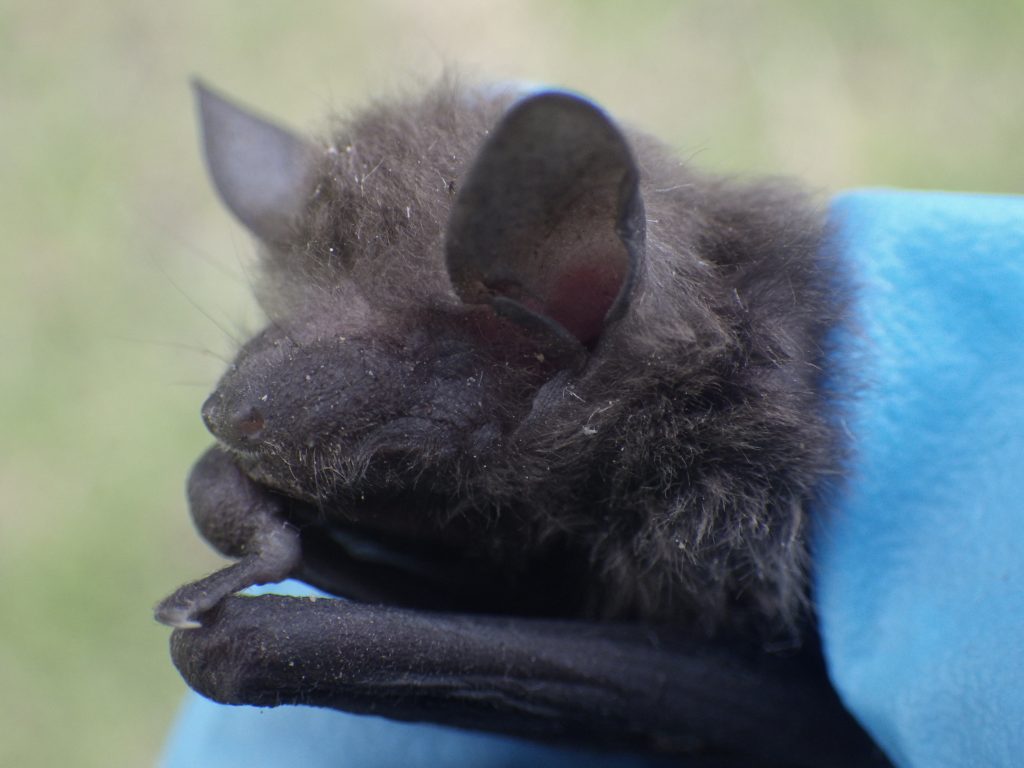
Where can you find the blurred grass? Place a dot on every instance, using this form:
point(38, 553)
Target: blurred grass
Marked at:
point(111, 240)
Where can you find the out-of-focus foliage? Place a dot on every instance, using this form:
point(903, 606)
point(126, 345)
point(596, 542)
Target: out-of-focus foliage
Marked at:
point(121, 282)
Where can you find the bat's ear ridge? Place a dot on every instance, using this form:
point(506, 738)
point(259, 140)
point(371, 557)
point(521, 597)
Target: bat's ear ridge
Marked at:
point(549, 223)
point(261, 170)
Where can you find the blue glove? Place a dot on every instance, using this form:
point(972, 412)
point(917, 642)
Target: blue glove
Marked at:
point(214, 736)
point(920, 569)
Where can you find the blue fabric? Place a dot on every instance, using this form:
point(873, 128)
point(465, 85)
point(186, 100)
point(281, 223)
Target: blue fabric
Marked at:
point(214, 736)
point(920, 571)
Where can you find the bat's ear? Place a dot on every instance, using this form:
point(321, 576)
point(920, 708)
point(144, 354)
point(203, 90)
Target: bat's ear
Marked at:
point(261, 171)
point(548, 226)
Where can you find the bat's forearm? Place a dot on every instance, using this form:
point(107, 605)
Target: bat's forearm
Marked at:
point(608, 685)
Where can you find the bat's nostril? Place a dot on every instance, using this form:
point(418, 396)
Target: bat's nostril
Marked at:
point(248, 423)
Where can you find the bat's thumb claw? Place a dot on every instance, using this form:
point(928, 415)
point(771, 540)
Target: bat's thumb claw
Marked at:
point(176, 615)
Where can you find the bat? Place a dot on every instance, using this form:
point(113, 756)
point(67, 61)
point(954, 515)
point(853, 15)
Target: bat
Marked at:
point(549, 407)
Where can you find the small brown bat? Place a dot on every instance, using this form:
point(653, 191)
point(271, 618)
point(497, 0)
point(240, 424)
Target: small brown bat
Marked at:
point(549, 407)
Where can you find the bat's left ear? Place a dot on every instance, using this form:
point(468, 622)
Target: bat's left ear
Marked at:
point(261, 170)
point(548, 226)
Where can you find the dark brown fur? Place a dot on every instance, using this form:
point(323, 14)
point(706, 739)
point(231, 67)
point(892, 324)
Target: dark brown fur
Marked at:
point(671, 474)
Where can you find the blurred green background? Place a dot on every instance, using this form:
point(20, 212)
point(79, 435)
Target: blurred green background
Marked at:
point(122, 283)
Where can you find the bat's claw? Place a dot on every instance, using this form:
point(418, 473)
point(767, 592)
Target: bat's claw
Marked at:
point(176, 615)
point(182, 609)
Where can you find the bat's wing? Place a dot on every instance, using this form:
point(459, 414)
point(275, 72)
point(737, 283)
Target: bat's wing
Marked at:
point(607, 685)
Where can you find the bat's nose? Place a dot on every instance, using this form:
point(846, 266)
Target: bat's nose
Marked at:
point(236, 424)
point(211, 412)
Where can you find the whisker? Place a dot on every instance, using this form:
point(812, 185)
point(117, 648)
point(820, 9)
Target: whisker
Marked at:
point(184, 294)
point(207, 352)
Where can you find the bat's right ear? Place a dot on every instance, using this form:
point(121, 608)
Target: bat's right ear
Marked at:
point(548, 227)
point(262, 171)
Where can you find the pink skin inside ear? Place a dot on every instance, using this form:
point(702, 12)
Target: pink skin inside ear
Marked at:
point(581, 297)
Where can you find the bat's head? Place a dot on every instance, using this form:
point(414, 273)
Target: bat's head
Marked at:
point(435, 280)
point(502, 329)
